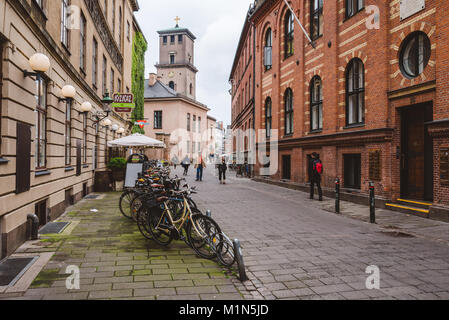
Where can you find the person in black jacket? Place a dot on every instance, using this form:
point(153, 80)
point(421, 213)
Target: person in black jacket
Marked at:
point(317, 170)
point(222, 167)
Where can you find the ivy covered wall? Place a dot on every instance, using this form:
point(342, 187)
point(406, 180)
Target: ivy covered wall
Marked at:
point(140, 46)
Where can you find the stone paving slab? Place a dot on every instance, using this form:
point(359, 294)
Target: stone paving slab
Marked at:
point(117, 262)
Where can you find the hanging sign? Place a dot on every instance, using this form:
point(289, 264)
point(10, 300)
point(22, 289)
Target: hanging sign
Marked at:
point(123, 102)
point(142, 123)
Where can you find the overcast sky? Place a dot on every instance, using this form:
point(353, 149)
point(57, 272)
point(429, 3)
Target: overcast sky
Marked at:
point(217, 25)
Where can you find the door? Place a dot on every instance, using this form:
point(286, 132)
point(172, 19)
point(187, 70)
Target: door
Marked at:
point(417, 154)
point(286, 167)
point(352, 171)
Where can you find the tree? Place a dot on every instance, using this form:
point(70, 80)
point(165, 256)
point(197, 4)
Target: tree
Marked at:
point(138, 80)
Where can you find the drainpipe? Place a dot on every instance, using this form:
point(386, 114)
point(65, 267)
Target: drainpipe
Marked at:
point(34, 225)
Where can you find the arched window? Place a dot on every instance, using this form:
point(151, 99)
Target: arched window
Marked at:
point(172, 85)
point(268, 116)
point(288, 111)
point(355, 92)
point(316, 19)
point(316, 104)
point(288, 34)
point(268, 61)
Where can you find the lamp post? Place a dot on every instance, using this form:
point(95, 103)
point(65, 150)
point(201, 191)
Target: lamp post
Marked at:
point(68, 92)
point(39, 63)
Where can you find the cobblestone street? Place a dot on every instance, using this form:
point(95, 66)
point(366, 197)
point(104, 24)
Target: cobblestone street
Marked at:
point(293, 249)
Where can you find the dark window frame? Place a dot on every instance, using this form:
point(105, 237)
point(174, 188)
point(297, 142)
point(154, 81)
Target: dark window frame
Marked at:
point(289, 35)
point(268, 116)
point(288, 114)
point(41, 109)
point(105, 74)
point(316, 100)
point(157, 119)
point(94, 62)
point(83, 43)
point(188, 121)
point(356, 91)
point(316, 13)
point(172, 39)
point(171, 85)
point(65, 31)
point(172, 58)
point(164, 40)
point(85, 138)
point(427, 52)
point(268, 50)
point(180, 38)
point(112, 84)
point(352, 7)
point(68, 133)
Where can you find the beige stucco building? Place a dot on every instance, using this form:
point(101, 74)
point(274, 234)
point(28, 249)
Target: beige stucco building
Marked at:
point(174, 114)
point(50, 152)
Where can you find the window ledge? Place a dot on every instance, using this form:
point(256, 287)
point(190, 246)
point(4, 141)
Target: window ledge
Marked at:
point(316, 131)
point(357, 125)
point(69, 169)
point(85, 166)
point(42, 173)
point(3, 160)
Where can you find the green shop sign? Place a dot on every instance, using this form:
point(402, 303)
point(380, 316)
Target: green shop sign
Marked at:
point(123, 102)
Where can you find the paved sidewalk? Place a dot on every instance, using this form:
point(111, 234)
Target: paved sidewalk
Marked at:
point(295, 249)
point(116, 262)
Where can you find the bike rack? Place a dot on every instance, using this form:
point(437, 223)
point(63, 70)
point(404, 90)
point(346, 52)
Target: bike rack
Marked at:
point(237, 254)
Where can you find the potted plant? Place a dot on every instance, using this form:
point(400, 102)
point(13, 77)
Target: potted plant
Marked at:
point(117, 166)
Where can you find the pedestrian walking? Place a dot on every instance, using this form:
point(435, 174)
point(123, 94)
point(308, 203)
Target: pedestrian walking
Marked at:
point(222, 167)
point(175, 161)
point(200, 165)
point(317, 171)
point(186, 165)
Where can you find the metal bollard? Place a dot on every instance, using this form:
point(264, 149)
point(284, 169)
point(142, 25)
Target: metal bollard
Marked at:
point(209, 213)
point(337, 195)
point(239, 258)
point(372, 203)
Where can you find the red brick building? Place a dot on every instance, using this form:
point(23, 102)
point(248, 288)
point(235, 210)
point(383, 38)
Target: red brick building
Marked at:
point(371, 98)
point(242, 91)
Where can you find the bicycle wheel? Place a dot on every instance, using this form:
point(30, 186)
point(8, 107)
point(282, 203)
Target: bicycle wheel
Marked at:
point(143, 222)
point(204, 234)
point(225, 252)
point(125, 202)
point(136, 204)
point(160, 232)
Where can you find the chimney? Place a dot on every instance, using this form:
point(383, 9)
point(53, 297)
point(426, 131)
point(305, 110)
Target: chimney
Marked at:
point(152, 79)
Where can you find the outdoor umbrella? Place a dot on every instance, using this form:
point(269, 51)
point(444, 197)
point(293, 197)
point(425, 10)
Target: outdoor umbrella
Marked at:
point(136, 140)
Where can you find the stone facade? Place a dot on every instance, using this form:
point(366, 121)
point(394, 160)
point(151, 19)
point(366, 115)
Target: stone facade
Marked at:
point(382, 146)
point(68, 163)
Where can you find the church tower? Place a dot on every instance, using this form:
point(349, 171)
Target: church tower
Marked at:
point(176, 66)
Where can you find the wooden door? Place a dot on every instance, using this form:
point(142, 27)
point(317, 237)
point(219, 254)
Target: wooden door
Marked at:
point(414, 153)
point(286, 167)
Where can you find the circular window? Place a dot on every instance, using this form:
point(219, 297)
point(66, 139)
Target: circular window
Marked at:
point(415, 54)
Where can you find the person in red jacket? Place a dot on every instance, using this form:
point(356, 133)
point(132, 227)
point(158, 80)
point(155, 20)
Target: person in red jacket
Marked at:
point(317, 171)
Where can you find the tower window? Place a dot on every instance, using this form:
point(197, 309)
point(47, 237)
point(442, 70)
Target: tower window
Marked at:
point(172, 59)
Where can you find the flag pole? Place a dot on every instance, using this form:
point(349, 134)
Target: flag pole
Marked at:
point(299, 22)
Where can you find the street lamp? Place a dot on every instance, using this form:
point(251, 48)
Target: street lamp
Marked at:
point(68, 92)
point(107, 101)
point(114, 128)
point(120, 130)
point(39, 63)
point(107, 122)
point(86, 107)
